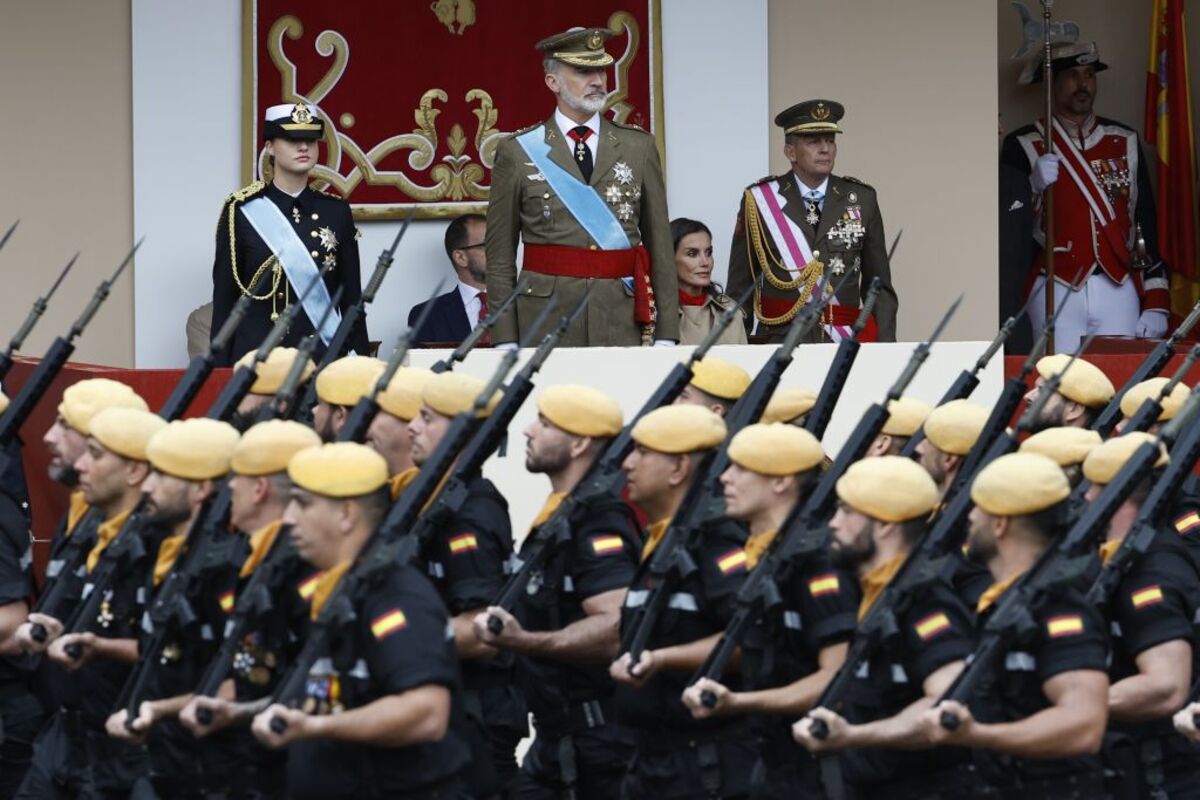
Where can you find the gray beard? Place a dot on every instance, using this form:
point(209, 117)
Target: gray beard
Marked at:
point(584, 105)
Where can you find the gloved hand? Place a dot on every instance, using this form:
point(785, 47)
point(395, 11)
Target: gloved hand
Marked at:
point(1045, 172)
point(665, 343)
point(1152, 324)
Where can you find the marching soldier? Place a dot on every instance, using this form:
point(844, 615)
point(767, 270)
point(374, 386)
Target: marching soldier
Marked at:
point(565, 629)
point(951, 430)
point(906, 416)
point(1150, 389)
point(72, 756)
point(466, 556)
point(586, 196)
point(1106, 232)
point(375, 722)
point(794, 229)
point(339, 386)
point(188, 460)
point(878, 731)
point(716, 384)
point(388, 433)
point(281, 235)
point(260, 489)
point(1082, 394)
point(790, 405)
point(1040, 724)
point(678, 756)
point(1153, 649)
point(1067, 447)
point(790, 655)
point(269, 376)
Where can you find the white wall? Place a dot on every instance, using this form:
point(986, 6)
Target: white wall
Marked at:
point(187, 138)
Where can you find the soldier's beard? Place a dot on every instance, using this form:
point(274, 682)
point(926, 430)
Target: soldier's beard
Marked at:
point(64, 474)
point(852, 556)
point(551, 461)
point(582, 104)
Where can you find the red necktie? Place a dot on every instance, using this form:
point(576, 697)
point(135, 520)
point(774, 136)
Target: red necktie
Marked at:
point(486, 339)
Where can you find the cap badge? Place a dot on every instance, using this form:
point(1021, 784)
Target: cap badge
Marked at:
point(301, 114)
point(821, 112)
point(594, 40)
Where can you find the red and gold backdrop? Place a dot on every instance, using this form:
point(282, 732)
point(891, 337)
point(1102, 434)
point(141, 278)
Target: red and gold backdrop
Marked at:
point(415, 94)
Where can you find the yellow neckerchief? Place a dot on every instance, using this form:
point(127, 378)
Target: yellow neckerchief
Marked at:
point(548, 508)
point(400, 482)
point(75, 511)
point(874, 582)
point(756, 545)
point(1107, 549)
point(260, 544)
point(654, 535)
point(325, 586)
point(168, 551)
point(107, 531)
point(993, 592)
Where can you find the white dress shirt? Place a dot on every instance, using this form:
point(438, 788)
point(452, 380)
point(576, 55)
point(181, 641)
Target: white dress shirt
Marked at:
point(806, 190)
point(471, 302)
point(565, 124)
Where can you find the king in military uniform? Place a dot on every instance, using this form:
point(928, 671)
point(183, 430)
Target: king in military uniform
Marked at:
point(796, 229)
point(587, 197)
point(274, 238)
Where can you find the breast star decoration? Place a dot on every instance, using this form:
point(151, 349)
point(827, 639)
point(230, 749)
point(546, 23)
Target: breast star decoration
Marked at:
point(623, 173)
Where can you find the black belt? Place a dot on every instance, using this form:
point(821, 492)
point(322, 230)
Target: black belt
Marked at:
point(577, 717)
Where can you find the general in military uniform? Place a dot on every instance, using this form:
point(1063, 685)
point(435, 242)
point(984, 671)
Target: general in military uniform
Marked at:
point(586, 196)
point(796, 229)
point(274, 238)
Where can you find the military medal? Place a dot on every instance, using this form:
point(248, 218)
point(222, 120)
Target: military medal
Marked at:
point(625, 212)
point(613, 194)
point(170, 653)
point(814, 215)
point(105, 617)
point(296, 215)
point(623, 173)
point(328, 239)
point(836, 265)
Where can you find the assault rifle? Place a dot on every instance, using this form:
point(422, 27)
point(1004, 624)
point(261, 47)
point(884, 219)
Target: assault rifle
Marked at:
point(473, 338)
point(35, 313)
point(1150, 409)
point(818, 417)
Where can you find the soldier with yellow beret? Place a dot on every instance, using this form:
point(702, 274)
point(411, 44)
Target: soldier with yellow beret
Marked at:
point(376, 722)
point(883, 510)
point(1082, 394)
point(951, 430)
point(269, 376)
point(1041, 722)
point(339, 387)
point(679, 756)
point(1150, 616)
point(796, 648)
point(716, 384)
point(260, 492)
point(1067, 447)
point(564, 630)
point(906, 416)
point(1151, 389)
point(466, 554)
point(188, 459)
point(388, 434)
point(790, 405)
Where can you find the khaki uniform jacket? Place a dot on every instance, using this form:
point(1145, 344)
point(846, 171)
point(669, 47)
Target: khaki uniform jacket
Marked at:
point(696, 321)
point(869, 251)
point(522, 206)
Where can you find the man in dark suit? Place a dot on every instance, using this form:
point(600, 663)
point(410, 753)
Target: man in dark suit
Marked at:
point(459, 310)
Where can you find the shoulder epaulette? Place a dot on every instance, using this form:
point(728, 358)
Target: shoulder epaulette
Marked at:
point(526, 129)
point(246, 192)
point(328, 192)
point(859, 181)
point(630, 127)
point(761, 181)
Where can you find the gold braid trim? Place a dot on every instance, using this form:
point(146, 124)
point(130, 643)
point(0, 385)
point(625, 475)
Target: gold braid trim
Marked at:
point(758, 252)
point(238, 197)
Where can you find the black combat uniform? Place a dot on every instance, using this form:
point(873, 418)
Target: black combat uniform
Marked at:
point(572, 702)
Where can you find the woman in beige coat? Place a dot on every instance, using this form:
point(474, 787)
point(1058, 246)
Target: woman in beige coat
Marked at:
point(701, 302)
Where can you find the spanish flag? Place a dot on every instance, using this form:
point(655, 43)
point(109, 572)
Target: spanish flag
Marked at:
point(932, 625)
point(387, 624)
point(823, 585)
point(1188, 522)
point(734, 559)
point(463, 543)
point(226, 601)
point(1148, 596)
point(604, 545)
point(1066, 625)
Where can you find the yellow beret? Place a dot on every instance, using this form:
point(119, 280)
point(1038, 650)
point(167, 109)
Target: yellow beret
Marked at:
point(719, 378)
point(193, 449)
point(679, 429)
point(3, 402)
point(1083, 382)
point(81, 401)
point(775, 449)
point(1150, 390)
point(888, 488)
point(267, 447)
point(581, 410)
point(126, 431)
point(955, 426)
point(1019, 483)
point(345, 381)
point(788, 404)
point(906, 415)
point(1066, 446)
point(453, 393)
point(1104, 462)
point(402, 397)
point(341, 469)
point(270, 374)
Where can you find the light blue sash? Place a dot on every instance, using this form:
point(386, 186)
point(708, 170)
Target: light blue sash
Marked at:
point(582, 201)
point(281, 237)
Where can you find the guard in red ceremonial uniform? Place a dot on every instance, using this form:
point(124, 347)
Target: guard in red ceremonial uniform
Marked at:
point(586, 196)
point(1106, 255)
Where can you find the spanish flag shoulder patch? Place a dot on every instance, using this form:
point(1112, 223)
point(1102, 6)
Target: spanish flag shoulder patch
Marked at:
point(1188, 523)
point(388, 623)
point(606, 545)
point(932, 625)
point(463, 543)
point(1064, 625)
point(226, 601)
point(309, 585)
point(732, 561)
point(824, 585)
point(1146, 596)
